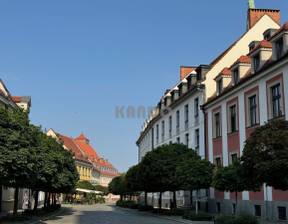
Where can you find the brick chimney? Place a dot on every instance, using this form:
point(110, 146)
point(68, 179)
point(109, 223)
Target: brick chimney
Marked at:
point(254, 15)
point(185, 70)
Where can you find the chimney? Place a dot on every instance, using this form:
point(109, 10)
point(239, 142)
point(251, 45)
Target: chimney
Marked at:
point(254, 15)
point(185, 70)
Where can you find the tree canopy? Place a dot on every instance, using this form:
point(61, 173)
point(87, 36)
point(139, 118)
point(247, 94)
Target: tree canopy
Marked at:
point(265, 155)
point(30, 159)
point(159, 166)
point(195, 174)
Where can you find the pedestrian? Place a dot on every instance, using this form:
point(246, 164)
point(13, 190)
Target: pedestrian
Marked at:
point(60, 199)
point(25, 202)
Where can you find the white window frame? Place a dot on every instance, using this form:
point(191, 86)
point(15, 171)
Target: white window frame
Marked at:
point(229, 107)
point(270, 85)
point(214, 124)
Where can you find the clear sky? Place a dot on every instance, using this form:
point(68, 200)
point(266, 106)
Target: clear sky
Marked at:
point(80, 59)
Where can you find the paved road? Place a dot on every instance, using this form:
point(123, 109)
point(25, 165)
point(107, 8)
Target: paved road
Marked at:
point(103, 214)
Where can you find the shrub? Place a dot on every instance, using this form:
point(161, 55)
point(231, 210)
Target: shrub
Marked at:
point(175, 211)
point(146, 208)
point(225, 219)
point(243, 217)
point(101, 200)
point(126, 204)
point(197, 217)
point(246, 218)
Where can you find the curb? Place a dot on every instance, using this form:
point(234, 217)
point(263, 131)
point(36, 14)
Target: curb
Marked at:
point(37, 219)
point(186, 221)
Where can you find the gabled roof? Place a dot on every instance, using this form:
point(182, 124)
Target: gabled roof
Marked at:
point(243, 60)
point(225, 72)
point(70, 144)
point(87, 148)
point(16, 99)
point(81, 137)
point(283, 28)
point(263, 43)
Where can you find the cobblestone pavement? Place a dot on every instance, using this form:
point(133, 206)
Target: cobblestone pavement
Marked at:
point(106, 214)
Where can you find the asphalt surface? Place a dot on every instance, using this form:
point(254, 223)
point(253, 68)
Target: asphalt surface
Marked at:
point(105, 214)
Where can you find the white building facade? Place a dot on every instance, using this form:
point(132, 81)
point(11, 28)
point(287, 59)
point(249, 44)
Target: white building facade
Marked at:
point(246, 73)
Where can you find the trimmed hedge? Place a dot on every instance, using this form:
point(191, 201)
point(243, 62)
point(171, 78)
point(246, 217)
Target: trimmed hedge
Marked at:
point(146, 208)
point(197, 217)
point(243, 217)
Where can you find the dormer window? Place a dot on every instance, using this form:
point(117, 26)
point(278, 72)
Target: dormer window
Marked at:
point(256, 62)
point(279, 48)
point(219, 87)
point(189, 82)
point(269, 33)
point(235, 76)
point(180, 90)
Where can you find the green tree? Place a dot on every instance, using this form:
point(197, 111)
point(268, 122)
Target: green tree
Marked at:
point(85, 184)
point(104, 189)
point(158, 168)
point(195, 174)
point(118, 186)
point(233, 178)
point(265, 155)
point(16, 162)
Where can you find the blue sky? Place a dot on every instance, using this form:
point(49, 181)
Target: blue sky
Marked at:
point(79, 60)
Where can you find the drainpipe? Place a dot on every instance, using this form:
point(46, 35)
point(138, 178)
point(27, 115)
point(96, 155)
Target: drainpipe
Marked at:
point(0, 198)
point(205, 123)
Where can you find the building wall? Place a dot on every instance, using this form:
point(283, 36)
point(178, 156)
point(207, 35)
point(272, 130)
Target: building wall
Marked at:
point(241, 48)
point(84, 170)
point(268, 198)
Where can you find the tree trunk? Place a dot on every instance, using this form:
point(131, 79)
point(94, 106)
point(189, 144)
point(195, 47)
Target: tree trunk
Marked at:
point(160, 201)
point(145, 197)
point(196, 205)
point(236, 203)
point(36, 200)
point(174, 200)
point(16, 195)
point(121, 197)
point(0, 197)
point(191, 198)
point(54, 199)
point(45, 200)
point(49, 198)
point(130, 197)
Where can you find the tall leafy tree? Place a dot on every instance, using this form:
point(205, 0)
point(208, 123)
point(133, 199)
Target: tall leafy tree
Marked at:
point(195, 174)
point(265, 155)
point(159, 168)
point(16, 162)
point(85, 184)
point(104, 189)
point(118, 186)
point(233, 178)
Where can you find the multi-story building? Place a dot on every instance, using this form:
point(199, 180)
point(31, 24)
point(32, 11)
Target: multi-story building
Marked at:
point(177, 117)
point(107, 170)
point(253, 91)
point(86, 168)
point(12, 102)
point(89, 165)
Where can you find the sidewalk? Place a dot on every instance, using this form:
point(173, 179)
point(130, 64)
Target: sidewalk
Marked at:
point(35, 219)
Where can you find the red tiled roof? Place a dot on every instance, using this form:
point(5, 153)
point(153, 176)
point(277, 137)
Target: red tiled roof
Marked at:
point(71, 145)
point(263, 43)
point(87, 148)
point(243, 59)
point(225, 71)
point(110, 174)
point(284, 27)
point(81, 137)
point(16, 99)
